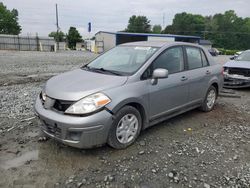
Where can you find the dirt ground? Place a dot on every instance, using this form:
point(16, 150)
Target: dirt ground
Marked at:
point(194, 149)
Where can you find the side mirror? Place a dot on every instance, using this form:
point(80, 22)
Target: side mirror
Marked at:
point(232, 58)
point(159, 74)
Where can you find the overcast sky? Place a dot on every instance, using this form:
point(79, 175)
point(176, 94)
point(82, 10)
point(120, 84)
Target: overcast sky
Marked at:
point(111, 15)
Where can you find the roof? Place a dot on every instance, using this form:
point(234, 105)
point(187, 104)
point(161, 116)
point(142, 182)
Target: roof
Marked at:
point(149, 34)
point(205, 42)
point(156, 43)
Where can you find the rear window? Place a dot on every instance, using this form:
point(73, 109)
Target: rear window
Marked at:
point(194, 58)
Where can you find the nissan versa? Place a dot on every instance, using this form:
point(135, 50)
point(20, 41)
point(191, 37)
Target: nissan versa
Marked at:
point(125, 90)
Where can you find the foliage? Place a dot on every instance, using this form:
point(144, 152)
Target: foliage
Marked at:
point(157, 29)
point(138, 24)
point(185, 23)
point(227, 52)
point(73, 37)
point(60, 37)
point(9, 21)
point(224, 30)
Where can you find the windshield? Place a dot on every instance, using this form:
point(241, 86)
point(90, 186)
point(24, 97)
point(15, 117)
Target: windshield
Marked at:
point(122, 59)
point(244, 56)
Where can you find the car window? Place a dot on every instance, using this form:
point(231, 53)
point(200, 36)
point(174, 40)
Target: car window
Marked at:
point(204, 59)
point(194, 58)
point(123, 59)
point(172, 60)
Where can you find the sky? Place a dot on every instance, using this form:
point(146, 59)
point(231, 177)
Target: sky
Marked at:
point(38, 16)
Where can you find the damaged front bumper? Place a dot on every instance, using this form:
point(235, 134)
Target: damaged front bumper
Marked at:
point(236, 81)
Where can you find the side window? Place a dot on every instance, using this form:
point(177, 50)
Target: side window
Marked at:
point(194, 58)
point(172, 60)
point(204, 59)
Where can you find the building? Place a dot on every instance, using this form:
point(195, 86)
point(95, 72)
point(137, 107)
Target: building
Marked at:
point(206, 43)
point(107, 40)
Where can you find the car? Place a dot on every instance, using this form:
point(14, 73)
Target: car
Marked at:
point(236, 55)
point(237, 71)
point(214, 52)
point(126, 90)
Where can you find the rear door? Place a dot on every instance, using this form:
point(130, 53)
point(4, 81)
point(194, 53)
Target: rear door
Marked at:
point(198, 73)
point(171, 93)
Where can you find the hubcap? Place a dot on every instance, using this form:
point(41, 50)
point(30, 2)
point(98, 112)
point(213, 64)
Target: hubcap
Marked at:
point(127, 128)
point(211, 98)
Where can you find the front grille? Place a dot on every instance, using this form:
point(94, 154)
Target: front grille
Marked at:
point(239, 71)
point(62, 106)
point(53, 129)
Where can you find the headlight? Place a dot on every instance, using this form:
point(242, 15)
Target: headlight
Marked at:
point(43, 96)
point(88, 104)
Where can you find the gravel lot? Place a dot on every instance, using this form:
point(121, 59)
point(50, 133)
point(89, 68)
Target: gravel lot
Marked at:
point(192, 150)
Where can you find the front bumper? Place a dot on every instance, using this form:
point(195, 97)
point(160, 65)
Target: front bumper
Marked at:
point(236, 81)
point(75, 131)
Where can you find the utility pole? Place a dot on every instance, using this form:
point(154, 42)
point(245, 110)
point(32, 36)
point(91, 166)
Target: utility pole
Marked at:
point(163, 21)
point(57, 29)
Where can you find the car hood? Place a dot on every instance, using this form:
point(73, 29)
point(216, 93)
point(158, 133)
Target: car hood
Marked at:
point(238, 64)
point(76, 84)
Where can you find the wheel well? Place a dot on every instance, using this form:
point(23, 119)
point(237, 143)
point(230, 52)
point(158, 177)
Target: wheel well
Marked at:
point(141, 109)
point(216, 87)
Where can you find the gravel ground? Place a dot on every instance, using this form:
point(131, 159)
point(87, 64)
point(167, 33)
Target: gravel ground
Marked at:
point(195, 149)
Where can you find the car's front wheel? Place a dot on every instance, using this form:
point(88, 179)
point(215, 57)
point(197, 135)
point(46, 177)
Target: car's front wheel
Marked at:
point(210, 99)
point(125, 128)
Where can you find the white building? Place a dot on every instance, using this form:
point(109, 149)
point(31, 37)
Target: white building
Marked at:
point(107, 40)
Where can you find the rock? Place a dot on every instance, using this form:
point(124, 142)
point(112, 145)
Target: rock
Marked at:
point(79, 184)
point(171, 175)
point(141, 152)
point(153, 170)
point(235, 157)
point(42, 138)
point(108, 178)
point(206, 185)
point(176, 179)
point(142, 143)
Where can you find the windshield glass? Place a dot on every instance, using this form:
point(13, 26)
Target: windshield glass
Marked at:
point(122, 59)
point(244, 56)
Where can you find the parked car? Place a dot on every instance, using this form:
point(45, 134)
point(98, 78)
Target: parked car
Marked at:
point(237, 71)
point(125, 90)
point(236, 55)
point(214, 52)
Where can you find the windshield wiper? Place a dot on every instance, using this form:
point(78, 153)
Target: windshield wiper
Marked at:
point(102, 70)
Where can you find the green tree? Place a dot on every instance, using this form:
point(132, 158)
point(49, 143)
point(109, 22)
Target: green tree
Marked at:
point(186, 24)
point(157, 29)
point(73, 37)
point(225, 30)
point(9, 21)
point(60, 37)
point(138, 24)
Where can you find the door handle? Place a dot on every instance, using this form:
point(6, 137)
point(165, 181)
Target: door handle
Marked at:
point(184, 78)
point(208, 72)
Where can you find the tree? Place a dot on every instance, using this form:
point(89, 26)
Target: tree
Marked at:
point(9, 21)
point(157, 29)
point(60, 37)
point(73, 37)
point(224, 30)
point(138, 24)
point(186, 24)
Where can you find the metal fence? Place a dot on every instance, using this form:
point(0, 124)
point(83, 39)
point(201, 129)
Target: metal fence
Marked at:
point(26, 43)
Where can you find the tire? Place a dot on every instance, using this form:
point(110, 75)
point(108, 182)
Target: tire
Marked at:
point(211, 95)
point(125, 128)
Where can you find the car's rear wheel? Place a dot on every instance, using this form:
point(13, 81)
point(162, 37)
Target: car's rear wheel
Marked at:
point(125, 128)
point(210, 99)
